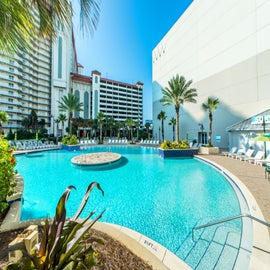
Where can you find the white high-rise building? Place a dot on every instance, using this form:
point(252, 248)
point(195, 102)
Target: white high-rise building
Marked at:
point(224, 47)
point(38, 79)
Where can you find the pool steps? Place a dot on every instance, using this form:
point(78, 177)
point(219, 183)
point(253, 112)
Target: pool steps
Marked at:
point(207, 244)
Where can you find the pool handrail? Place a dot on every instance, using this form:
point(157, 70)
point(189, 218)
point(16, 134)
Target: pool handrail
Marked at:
point(229, 219)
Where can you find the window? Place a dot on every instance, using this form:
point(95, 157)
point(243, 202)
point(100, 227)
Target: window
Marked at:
point(10, 100)
point(96, 79)
point(86, 105)
point(10, 84)
point(11, 77)
point(11, 62)
point(11, 69)
point(10, 108)
point(10, 92)
point(60, 45)
point(77, 95)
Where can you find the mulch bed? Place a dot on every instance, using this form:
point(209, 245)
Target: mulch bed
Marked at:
point(112, 254)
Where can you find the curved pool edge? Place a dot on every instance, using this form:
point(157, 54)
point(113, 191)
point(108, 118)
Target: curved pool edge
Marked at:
point(147, 249)
point(260, 256)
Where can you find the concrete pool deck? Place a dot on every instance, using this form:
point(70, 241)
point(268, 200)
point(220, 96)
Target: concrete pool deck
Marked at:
point(256, 187)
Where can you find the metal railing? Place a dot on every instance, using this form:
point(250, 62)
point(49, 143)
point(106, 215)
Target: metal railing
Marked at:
point(229, 219)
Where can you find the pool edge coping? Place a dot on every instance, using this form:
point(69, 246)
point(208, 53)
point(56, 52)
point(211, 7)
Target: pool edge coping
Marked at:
point(261, 239)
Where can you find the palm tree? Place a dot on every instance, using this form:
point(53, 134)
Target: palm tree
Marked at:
point(162, 116)
point(137, 125)
point(130, 124)
point(62, 118)
point(100, 119)
point(57, 121)
point(33, 118)
point(111, 124)
point(69, 104)
point(3, 119)
point(173, 123)
point(19, 24)
point(210, 106)
point(177, 94)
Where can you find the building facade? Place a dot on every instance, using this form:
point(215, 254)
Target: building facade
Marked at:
point(115, 99)
point(224, 47)
point(38, 79)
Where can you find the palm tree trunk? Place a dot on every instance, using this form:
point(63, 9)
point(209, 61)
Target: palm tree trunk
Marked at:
point(210, 129)
point(162, 129)
point(177, 124)
point(69, 122)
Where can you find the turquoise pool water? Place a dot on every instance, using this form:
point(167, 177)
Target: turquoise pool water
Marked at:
point(160, 198)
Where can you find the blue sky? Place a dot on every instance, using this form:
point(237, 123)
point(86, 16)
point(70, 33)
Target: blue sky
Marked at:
point(127, 32)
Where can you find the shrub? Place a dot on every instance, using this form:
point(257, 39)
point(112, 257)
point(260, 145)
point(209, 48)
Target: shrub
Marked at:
point(7, 172)
point(62, 246)
point(174, 145)
point(70, 140)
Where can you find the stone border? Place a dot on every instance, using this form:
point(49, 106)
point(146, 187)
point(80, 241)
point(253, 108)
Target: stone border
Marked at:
point(96, 159)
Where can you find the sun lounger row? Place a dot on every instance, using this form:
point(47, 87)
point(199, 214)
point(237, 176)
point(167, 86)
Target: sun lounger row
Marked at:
point(87, 141)
point(149, 142)
point(117, 141)
point(33, 144)
point(247, 156)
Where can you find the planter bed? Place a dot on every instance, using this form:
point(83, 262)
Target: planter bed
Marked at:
point(71, 147)
point(166, 153)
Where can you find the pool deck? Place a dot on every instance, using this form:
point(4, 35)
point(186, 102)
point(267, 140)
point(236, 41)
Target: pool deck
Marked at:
point(252, 180)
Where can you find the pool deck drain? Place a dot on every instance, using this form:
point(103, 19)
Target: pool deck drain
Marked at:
point(95, 159)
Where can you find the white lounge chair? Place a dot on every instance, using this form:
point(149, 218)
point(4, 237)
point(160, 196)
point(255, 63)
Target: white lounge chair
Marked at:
point(262, 161)
point(240, 152)
point(259, 156)
point(247, 155)
point(232, 151)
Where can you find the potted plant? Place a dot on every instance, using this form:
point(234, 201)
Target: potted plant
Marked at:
point(176, 149)
point(70, 143)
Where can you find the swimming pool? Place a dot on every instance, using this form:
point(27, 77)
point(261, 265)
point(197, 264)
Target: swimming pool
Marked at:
point(160, 198)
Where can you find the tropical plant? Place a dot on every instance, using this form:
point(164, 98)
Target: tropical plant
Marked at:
point(7, 172)
point(19, 24)
point(70, 140)
point(162, 116)
point(137, 125)
point(62, 118)
point(3, 119)
point(147, 126)
point(174, 145)
point(177, 94)
point(130, 123)
point(61, 243)
point(69, 104)
point(100, 120)
point(173, 123)
point(210, 106)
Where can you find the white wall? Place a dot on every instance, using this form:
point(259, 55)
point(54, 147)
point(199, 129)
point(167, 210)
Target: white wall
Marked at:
point(224, 47)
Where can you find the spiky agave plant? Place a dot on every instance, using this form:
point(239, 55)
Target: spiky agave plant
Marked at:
point(62, 240)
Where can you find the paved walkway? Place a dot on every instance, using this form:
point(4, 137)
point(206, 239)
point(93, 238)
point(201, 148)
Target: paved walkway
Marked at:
point(253, 177)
